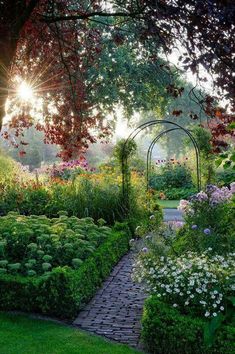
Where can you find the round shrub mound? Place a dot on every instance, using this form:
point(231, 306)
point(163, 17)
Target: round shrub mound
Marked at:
point(34, 245)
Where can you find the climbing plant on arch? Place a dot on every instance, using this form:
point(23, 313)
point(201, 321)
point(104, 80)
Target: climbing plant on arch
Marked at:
point(127, 152)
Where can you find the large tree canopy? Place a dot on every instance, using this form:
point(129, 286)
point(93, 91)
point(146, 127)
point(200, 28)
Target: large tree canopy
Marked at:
point(60, 46)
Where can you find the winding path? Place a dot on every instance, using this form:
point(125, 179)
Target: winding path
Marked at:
point(172, 215)
point(115, 311)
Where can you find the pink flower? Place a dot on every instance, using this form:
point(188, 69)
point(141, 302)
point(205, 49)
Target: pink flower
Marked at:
point(184, 205)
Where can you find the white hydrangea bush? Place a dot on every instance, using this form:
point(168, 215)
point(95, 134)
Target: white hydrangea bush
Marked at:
point(194, 283)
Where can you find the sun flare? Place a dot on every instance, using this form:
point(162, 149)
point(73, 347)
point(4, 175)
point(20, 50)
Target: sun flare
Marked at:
point(25, 91)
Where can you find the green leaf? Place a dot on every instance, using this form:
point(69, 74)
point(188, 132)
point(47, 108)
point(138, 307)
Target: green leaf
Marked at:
point(231, 299)
point(223, 156)
point(232, 158)
point(231, 126)
point(227, 164)
point(211, 328)
point(218, 162)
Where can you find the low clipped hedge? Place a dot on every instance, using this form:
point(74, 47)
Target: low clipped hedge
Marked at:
point(166, 331)
point(64, 291)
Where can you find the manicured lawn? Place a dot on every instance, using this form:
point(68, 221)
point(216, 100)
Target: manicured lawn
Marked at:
point(22, 335)
point(169, 204)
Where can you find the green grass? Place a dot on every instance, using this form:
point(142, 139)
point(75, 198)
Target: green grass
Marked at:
point(169, 204)
point(22, 335)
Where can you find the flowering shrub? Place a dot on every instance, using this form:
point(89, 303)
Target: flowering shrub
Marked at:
point(94, 194)
point(198, 284)
point(68, 170)
point(213, 196)
point(209, 221)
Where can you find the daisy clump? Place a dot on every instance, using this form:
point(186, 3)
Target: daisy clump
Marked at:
point(198, 284)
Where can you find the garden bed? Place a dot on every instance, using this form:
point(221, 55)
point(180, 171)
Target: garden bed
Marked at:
point(166, 330)
point(35, 285)
point(188, 270)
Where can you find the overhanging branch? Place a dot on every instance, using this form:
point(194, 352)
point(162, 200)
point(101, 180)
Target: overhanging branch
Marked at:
point(49, 19)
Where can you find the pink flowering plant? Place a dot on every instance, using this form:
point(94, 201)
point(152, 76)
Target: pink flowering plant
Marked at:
point(69, 170)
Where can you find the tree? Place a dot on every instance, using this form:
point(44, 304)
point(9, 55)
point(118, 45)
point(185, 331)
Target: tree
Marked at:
point(35, 153)
point(62, 35)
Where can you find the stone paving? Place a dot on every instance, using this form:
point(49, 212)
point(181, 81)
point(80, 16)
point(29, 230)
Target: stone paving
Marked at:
point(116, 309)
point(172, 215)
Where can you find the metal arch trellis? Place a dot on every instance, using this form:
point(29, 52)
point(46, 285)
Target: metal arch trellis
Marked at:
point(132, 136)
point(150, 150)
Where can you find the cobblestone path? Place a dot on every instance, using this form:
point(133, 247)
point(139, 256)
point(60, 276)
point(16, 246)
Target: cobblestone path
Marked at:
point(116, 309)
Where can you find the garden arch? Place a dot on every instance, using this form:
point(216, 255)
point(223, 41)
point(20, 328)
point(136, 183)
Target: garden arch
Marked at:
point(132, 136)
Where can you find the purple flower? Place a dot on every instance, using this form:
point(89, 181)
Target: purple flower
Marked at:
point(202, 196)
point(145, 249)
point(193, 198)
point(207, 231)
point(194, 227)
point(210, 188)
point(220, 196)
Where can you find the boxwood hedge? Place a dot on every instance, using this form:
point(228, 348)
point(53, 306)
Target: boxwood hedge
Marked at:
point(166, 331)
point(63, 291)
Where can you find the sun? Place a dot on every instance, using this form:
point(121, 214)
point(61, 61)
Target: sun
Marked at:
point(25, 92)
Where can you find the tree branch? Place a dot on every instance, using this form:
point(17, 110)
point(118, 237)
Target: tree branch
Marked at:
point(48, 19)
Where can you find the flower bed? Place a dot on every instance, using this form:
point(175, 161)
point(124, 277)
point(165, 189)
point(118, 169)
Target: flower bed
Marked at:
point(54, 266)
point(197, 284)
point(96, 195)
point(189, 269)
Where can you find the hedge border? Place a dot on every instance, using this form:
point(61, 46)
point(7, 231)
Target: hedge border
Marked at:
point(64, 291)
point(166, 331)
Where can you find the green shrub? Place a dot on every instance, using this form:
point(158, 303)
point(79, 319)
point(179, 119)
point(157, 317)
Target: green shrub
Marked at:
point(225, 177)
point(63, 291)
point(41, 244)
point(179, 193)
point(171, 176)
point(166, 331)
